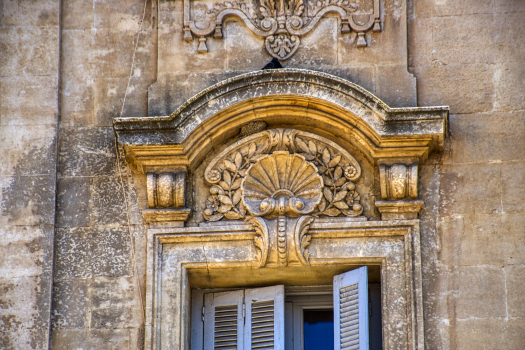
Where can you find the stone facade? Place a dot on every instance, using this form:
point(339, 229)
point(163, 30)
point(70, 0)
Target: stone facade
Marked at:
point(79, 209)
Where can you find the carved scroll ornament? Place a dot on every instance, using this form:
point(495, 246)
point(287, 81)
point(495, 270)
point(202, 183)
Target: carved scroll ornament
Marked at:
point(282, 174)
point(282, 22)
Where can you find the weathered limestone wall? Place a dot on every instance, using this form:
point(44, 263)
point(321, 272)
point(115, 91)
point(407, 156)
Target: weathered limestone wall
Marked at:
point(466, 54)
point(96, 302)
point(29, 56)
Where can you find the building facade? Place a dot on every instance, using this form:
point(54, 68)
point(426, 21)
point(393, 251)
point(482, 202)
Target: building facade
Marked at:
point(154, 176)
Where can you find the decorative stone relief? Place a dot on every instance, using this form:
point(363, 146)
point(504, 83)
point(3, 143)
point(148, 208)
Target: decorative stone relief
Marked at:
point(282, 174)
point(336, 167)
point(281, 22)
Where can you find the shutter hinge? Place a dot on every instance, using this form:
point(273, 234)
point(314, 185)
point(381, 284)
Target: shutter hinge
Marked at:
point(203, 314)
point(243, 310)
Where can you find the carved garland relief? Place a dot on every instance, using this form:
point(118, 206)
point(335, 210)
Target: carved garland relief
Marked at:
point(276, 176)
point(282, 22)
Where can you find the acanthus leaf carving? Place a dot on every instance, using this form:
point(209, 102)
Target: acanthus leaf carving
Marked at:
point(302, 239)
point(282, 22)
point(261, 239)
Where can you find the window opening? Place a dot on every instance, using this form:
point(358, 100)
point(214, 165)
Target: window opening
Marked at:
point(318, 329)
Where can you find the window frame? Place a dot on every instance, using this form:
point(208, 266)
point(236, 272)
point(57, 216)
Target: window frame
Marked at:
point(177, 253)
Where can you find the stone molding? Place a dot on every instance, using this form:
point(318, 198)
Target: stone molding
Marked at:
point(281, 24)
point(334, 105)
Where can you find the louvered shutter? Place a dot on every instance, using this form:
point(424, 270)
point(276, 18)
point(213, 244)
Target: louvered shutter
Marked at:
point(223, 320)
point(264, 325)
point(351, 310)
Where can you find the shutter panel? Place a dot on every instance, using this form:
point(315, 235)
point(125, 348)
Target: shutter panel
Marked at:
point(351, 310)
point(264, 326)
point(223, 320)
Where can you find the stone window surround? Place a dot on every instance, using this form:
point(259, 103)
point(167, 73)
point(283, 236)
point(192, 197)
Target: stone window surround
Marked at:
point(393, 140)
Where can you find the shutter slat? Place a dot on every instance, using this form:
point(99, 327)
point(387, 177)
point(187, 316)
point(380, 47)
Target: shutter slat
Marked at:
point(225, 335)
point(262, 324)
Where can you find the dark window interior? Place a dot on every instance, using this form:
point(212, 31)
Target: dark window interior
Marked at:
point(318, 329)
point(374, 325)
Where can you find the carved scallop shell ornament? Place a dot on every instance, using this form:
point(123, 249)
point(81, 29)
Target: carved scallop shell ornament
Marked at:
point(282, 184)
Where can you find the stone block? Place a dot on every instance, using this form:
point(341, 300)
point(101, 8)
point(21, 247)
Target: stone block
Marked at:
point(480, 292)
point(508, 27)
point(108, 99)
point(119, 15)
point(244, 50)
point(115, 303)
point(29, 51)
point(27, 150)
point(396, 86)
point(109, 207)
point(78, 77)
point(459, 189)
point(95, 251)
point(454, 85)
point(87, 152)
point(26, 251)
point(515, 284)
point(509, 80)
point(24, 312)
point(113, 54)
point(318, 48)
point(71, 304)
point(475, 240)
point(506, 6)
point(513, 178)
point(362, 76)
point(74, 201)
point(487, 137)
point(453, 39)
point(419, 41)
point(27, 200)
point(93, 339)
point(77, 14)
point(462, 7)
point(28, 101)
point(17, 13)
point(480, 333)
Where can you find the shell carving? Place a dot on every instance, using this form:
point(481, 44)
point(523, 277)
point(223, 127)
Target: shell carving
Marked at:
point(282, 184)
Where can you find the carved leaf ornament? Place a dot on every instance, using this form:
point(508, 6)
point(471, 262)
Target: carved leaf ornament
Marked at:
point(282, 22)
point(282, 172)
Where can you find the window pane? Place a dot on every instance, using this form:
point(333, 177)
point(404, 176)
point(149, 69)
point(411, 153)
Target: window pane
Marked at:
point(318, 329)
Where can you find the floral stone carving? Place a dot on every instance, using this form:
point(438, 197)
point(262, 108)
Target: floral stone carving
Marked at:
point(282, 22)
point(282, 174)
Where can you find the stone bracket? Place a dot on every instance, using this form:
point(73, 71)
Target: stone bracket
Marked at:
point(399, 210)
point(398, 181)
point(166, 190)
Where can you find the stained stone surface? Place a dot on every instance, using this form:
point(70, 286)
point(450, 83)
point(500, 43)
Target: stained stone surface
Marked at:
point(67, 274)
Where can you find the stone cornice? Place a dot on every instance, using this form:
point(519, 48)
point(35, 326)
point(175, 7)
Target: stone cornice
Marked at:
point(332, 103)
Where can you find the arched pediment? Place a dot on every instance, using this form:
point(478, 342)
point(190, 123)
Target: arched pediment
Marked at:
point(303, 99)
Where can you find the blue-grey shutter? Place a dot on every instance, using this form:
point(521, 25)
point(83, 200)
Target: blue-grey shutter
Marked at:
point(351, 310)
point(223, 320)
point(264, 325)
